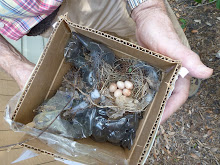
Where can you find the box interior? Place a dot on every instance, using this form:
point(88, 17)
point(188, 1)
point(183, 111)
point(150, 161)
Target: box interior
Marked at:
point(51, 68)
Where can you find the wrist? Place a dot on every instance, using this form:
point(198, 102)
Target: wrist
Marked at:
point(146, 8)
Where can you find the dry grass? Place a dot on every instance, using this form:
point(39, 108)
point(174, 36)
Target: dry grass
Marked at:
point(122, 70)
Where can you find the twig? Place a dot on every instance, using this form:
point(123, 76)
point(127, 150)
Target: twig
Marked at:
point(201, 4)
point(202, 145)
point(201, 116)
point(214, 75)
point(105, 81)
point(216, 160)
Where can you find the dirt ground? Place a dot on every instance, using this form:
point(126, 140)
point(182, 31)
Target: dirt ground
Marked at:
point(192, 135)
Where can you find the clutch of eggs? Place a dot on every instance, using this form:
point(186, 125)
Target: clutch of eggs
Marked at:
point(121, 88)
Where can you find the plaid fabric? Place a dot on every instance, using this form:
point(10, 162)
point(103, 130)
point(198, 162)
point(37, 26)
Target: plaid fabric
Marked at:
point(17, 17)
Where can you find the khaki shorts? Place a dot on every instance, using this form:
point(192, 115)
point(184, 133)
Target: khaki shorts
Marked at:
point(108, 16)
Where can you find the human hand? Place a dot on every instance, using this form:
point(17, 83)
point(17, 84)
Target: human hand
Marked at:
point(154, 30)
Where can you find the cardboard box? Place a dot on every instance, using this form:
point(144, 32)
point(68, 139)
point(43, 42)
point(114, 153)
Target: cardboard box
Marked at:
point(51, 68)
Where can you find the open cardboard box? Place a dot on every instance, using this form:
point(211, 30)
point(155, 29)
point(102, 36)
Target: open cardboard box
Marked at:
point(51, 67)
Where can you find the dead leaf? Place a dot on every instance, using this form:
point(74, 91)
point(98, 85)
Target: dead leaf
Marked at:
point(178, 123)
point(167, 151)
point(209, 24)
point(194, 156)
point(171, 133)
point(188, 125)
point(214, 149)
point(198, 21)
point(162, 130)
point(166, 138)
point(167, 146)
point(207, 127)
point(205, 136)
point(194, 31)
point(178, 15)
point(184, 30)
point(208, 111)
point(209, 132)
point(190, 112)
point(171, 127)
point(182, 129)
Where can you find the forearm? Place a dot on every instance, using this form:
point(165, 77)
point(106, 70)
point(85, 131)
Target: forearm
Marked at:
point(9, 57)
point(12, 61)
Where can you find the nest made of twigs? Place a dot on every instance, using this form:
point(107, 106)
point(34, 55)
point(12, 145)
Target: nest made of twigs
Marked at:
point(122, 70)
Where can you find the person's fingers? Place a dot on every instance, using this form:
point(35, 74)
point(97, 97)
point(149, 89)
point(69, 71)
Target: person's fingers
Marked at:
point(176, 50)
point(190, 60)
point(161, 37)
point(178, 97)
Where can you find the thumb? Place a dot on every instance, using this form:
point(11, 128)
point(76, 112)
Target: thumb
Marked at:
point(192, 62)
point(189, 60)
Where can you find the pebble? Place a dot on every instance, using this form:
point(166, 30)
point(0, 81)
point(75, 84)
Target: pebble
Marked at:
point(209, 24)
point(198, 21)
point(214, 149)
point(218, 54)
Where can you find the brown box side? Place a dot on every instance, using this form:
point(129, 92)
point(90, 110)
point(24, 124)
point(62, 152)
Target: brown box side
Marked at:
point(43, 76)
point(151, 122)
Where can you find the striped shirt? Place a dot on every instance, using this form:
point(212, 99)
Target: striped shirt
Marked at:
point(17, 17)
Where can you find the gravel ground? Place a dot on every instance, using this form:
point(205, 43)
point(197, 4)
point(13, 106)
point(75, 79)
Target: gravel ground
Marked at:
point(192, 135)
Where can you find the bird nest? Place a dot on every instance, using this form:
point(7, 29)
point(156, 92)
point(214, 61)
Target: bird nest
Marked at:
point(145, 80)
